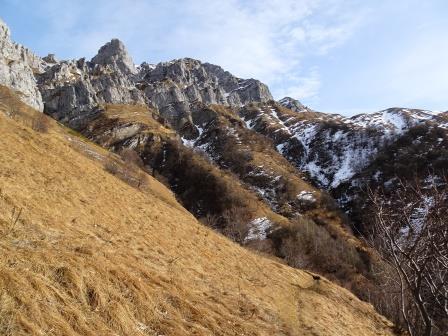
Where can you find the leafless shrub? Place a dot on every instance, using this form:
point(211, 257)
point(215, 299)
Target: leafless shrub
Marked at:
point(236, 223)
point(131, 157)
point(40, 123)
point(127, 170)
point(111, 165)
point(210, 220)
point(307, 245)
point(411, 235)
point(142, 180)
point(161, 178)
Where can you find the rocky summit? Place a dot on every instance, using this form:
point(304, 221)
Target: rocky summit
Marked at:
point(74, 90)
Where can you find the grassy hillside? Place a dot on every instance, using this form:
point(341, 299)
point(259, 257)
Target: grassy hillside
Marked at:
point(234, 176)
point(84, 253)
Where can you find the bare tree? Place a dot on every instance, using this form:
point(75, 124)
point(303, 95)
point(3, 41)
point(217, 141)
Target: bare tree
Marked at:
point(131, 157)
point(40, 123)
point(410, 231)
point(236, 223)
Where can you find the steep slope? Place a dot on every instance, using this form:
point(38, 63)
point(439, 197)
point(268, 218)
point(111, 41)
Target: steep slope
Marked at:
point(221, 135)
point(89, 254)
point(418, 157)
point(330, 148)
point(249, 192)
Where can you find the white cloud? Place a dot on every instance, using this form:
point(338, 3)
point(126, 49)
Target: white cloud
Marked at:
point(305, 87)
point(420, 71)
point(264, 39)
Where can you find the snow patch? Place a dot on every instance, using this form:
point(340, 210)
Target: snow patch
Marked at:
point(258, 229)
point(307, 196)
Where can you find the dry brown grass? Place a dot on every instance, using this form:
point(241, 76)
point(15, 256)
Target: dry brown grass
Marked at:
point(40, 123)
point(136, 114)
point(91, 256)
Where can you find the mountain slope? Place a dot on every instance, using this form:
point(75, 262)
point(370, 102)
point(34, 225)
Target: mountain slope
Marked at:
point(248, 192)
point(92, 255)
point(419, 157)
point(234, 181)
point(330, 148)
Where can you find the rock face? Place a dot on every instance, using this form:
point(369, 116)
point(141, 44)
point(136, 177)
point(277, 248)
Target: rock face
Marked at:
point(115, 54)
point(173, 86)
point(74, 90)
point(292, 104)
point(17, 68)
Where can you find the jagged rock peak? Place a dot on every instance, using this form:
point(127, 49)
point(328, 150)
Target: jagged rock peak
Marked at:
point(4, 30)
point(292, 104)
point(50, 58)
point(115, 52)
point(174, 87)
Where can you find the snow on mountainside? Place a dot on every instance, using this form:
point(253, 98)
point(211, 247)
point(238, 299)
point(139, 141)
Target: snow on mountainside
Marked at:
point(292, 104)
point(330, 148)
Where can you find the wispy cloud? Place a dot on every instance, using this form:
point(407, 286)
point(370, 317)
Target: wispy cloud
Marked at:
point(264, 39)
point(334, 54)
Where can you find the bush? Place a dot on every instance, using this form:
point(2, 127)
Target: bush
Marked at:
point(236, 223)
point(127, 171)
point(307, 245)
point(40, 123)
point(131, 157)
point(111, 166)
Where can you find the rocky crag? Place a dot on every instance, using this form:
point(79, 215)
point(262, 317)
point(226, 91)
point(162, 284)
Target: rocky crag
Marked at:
point(74, 90)
point(18, 67)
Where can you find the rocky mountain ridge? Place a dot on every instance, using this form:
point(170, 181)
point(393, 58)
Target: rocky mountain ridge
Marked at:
point(332, 148)
point(73, 90)
point(329, 149)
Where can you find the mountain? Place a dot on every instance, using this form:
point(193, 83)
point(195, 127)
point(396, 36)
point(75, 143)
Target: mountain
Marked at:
point(332, 148)
point(85, 253)
point(188, 128)
point(278, 178)
point(73, 89)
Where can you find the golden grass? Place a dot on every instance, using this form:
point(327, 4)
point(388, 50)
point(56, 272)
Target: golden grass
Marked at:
point(136, 114)
point(91, 255)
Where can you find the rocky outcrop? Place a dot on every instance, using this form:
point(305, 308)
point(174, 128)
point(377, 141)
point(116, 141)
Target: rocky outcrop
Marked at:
point(73, 91)
point(18, 66)
point(114, 53)
point(173, 86)
point(292, 104)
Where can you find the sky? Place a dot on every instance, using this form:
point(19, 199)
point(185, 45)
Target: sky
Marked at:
point(339, 56)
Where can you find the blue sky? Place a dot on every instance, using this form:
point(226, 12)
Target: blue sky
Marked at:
point(342, 56)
